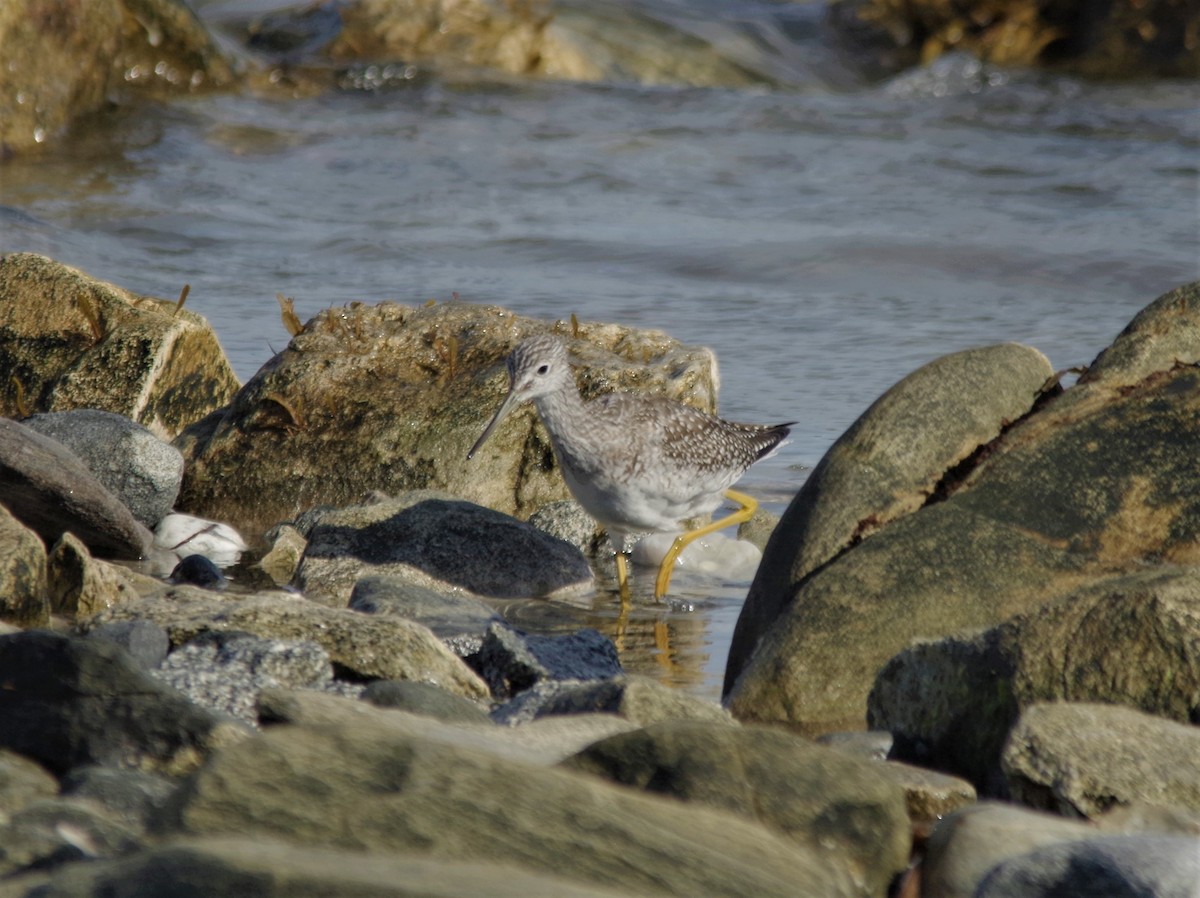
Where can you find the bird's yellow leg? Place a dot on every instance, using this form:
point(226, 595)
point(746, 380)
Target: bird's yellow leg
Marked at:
point(748, 505)
point(622, 578)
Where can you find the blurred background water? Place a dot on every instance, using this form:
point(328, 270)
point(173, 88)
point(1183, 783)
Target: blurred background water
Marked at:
point(824, 235)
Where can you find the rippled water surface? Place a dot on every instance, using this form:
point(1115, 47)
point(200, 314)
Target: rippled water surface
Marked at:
point(824, 240)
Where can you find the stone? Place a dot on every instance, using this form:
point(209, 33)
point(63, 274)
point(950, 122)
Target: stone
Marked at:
point(1131, 640)
point(1145, 866)
point(146, 642)
point(569, 522)
point(1081, 759)
point(282, 558)
point(1097, 482)
point(458, 620)
point(140, 469)
point(885, 467)
point(54, 831)
point(46, 487)
point(639, 700)
point(838, 806)
point(928, 795)
point(318, 404)
point(511, 661)
point(270, 868)
point(440, 544)
point(873, 745)
point(382, 791)
point(72, 341)
point(70, 701)
point(23, 597)
point(198, 571)
point(425, 699)
point(22, 781)
point(130, 798)
point(365, 647)
point(79, 584)
point(1160, 337)
point(226, 671)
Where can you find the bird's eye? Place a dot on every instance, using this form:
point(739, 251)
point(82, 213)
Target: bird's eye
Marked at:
point(542, 369)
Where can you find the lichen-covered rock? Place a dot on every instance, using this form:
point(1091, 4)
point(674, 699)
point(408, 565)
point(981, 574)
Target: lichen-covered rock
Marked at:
point(23, 597)
point(79, 584)
point(69, 341)
point(391, 398)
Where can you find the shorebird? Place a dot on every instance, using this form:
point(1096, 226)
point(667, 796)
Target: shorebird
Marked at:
point(635, 463)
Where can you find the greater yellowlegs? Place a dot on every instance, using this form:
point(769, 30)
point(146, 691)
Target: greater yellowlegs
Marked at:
point(635, 463)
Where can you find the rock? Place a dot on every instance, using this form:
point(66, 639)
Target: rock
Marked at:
point(75, 342)
point(225, 672)
point(184, 536)
point(366, 647)
point(70, 701)
point(1132, 640)
point(54, 831)
point(1112, 866)
point(78, 584)
point(872, 745)
point(47, 488)
point(424, 699)
point(1095, 483)
point(146, 642)
point(542, 742)
point(214, 867)
point(22, 574)
point(130, 798)
point(757, 531)
point(140, 469)
point(569, 522)
point(888, 465)
point(928, 795)
point(282, 559)
point(1161, 336)
point(318, 404)
point(439, 544)
point(1084, 758)
point(383, 791)
point(1146, 40)
point(458, 620)
point(198, 571)
point(22, 781)
point(840, 807)
point(639, 700)
point(969, 842)
point(511, 661)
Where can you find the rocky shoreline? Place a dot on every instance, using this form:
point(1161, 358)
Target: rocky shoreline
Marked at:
point(969, 664)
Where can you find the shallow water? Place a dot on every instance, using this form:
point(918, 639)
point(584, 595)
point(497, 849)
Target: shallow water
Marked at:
point(824, 239)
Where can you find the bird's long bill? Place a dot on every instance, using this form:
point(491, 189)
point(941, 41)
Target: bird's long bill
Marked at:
point(510, 401)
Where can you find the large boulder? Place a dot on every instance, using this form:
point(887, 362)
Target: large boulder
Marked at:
point(1099, 480)
point(383, 791)
point(391, 398)
point(69, 341)
point(1132, 640)
point(72, 57)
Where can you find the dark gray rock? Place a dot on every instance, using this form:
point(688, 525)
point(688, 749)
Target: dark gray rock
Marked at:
point(132, 798)
point(511, 661)
point(226, 671)
point(1132, 866)
point(425, 699)
point(47, 488)
point(200, 571)
point(458, 620)
point(145, 641)
point(70, 701)
point(141, 470)
point(637, 699)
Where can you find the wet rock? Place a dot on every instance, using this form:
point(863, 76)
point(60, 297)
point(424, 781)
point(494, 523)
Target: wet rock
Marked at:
point(439, 544)
point(79, 584)
point(840, 807)
point(387, 792)
point(199, 571)
point(22, 781)
point(1082, 759)
point(54, 831)
point(1131, 640)
point(885, 467)
point(140, 469)
point(639, 700)
point(363, 646)
point(1148, 39)
point(23, 597)
point(1098, 481)
point(318, 404)
point(48, 489)
point(458, 620)
point(146, 642)
point(511, 661)
point(225, 672)
point(70, 701)
point(1114, 866)
point(130, 798)
point(266, 868)
point(424, 699)
point(72, 341)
